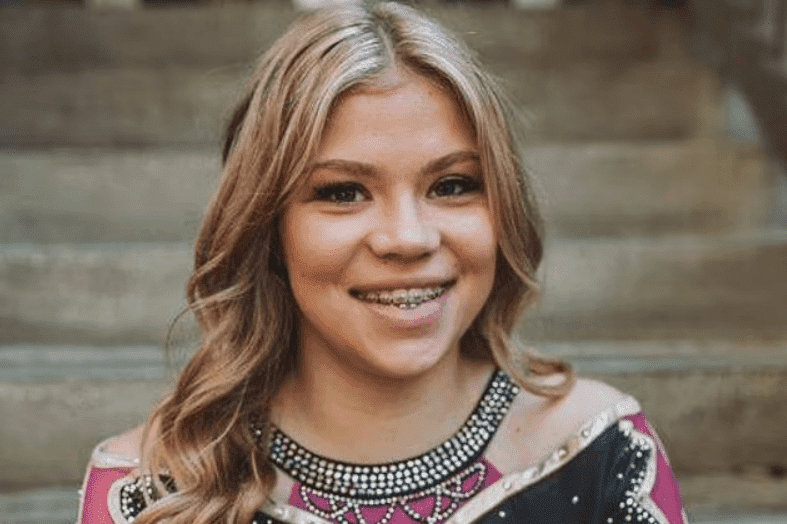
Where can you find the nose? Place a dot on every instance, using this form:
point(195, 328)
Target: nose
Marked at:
point(404, 231)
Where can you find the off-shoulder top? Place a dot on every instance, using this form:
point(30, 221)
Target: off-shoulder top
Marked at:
point(612, 470)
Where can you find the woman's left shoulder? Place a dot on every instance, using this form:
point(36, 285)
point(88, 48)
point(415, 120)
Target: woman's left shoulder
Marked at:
point(587, 399)
point(544, 435)
point(563, 416)
point(592, 402)
point(536, 425)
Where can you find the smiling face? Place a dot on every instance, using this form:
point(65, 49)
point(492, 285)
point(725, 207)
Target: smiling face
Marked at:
point(389, 243)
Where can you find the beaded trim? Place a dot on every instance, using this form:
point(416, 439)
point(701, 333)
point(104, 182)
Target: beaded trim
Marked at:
point(103, 458)
point(446, 497)
point(504, 488)
point(373, 484)
point(128, 496)
point(638, 505)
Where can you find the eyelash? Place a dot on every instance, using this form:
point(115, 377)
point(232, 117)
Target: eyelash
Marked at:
point(331, 192)
point(468, 185)
point(334, 192)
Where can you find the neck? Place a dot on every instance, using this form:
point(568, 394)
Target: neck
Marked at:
point(324, 407)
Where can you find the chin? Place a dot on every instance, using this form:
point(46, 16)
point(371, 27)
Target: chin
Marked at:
point(410, 360)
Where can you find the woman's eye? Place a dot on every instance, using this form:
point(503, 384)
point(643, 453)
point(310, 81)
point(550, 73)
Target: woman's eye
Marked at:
point(456, 186)
point(343, 193)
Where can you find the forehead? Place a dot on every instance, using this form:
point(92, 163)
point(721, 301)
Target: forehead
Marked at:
point(408, 115)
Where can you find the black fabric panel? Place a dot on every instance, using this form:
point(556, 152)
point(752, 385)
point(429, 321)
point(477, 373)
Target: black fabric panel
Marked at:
point(581, 492)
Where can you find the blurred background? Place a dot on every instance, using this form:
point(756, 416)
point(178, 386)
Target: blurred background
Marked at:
point(658, 138)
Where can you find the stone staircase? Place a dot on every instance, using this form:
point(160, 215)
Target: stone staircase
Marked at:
point(666, 261)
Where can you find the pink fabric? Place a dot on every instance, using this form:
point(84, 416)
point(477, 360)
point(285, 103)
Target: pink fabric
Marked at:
point(94, 507)
point(665, 494)
point(422, 507)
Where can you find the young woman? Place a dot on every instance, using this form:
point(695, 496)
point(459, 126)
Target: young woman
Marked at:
point(371, 245)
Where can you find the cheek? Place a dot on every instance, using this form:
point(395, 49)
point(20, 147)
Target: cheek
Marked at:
point(317, 248)
point(474, 237)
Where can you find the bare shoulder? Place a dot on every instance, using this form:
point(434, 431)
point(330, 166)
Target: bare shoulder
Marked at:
point(586, 399)
point(121, 450)
point(112, 461)
point(561, 418)
point(128, 444)
point(536, 426)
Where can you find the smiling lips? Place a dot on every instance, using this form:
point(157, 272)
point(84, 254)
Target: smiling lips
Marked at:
point(402, 298)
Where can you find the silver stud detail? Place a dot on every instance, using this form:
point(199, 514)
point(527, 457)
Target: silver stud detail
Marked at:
point(412, 475)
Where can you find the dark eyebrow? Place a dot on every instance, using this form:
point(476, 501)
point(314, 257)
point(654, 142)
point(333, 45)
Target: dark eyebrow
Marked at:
point(360, 169)
point(444, 162)
point(365, 170)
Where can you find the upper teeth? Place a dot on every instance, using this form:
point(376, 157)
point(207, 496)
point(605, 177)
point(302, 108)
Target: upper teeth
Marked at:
point(403, 297)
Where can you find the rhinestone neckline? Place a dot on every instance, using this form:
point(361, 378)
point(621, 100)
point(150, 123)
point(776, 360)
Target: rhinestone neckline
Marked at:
point(404, 477)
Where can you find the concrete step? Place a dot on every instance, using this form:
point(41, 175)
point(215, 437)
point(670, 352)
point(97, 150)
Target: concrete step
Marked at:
point(720, 286)
point(88, 196)
point(207, 37)
point(695, 287)
point(716, 416)
point(765, 85)
point(37, 364)
point(56, 425)
point(110, 293)
point(658, 100)
point(712, 418)
point(118, 108)
point(41, 505)
point(42, 364)
point(739, 518)
point(597, 189)
point(744, 498)
point(178, 106)
point(654, 188)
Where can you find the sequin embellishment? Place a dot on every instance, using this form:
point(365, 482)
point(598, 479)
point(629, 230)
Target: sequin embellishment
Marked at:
point(136, 494)
point(445, 476)
point(443, 499)
point(640, 473)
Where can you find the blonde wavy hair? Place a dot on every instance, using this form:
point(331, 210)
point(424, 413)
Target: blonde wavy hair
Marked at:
point(239, 292)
